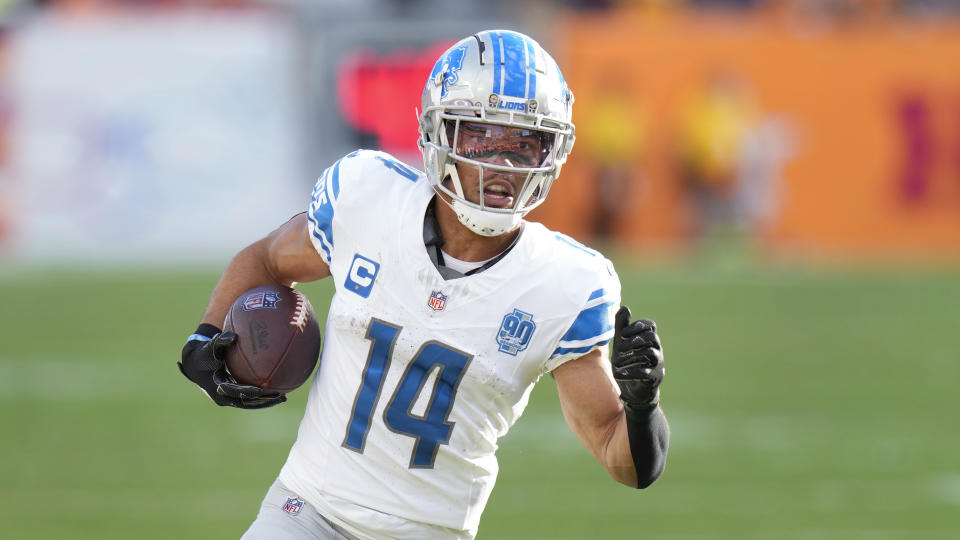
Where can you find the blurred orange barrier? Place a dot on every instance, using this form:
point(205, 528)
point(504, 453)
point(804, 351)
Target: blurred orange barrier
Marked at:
point(865, 158)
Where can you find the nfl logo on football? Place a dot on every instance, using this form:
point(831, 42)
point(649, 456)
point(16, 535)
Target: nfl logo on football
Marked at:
point(293, 506)
point(437, 300)
point(261, 300)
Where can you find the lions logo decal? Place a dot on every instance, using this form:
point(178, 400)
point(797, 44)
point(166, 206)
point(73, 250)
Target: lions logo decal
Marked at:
point(447, 69)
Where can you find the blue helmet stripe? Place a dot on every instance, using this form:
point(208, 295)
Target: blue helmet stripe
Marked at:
point(531, 70)
point(495, 42)
point(514, 65)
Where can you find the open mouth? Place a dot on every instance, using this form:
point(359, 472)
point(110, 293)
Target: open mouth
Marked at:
point(497, 195)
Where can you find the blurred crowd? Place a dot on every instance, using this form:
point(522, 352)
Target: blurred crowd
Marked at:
point(839, 9)
point(739, 141)
point(844, 9)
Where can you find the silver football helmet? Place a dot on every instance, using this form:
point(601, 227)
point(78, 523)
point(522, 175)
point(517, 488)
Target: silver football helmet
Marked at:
point(495, 103)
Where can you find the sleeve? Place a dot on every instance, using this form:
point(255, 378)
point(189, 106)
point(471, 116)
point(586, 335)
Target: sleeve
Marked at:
point(323, 205)
point(362, 174)
point(593, 325)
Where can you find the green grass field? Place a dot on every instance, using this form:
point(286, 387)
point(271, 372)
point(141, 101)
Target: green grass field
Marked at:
point(803, 405)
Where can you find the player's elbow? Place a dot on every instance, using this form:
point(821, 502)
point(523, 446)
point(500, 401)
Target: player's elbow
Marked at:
point(623, 475)
point(638, 478)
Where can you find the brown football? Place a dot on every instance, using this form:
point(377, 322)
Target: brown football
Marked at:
point(278, 338)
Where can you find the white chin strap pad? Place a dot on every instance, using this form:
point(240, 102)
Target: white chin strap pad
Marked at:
point(485, 223)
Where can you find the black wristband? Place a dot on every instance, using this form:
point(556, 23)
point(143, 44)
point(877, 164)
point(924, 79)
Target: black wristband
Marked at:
point(639, 413)
point(649, 437)
point(207, 330)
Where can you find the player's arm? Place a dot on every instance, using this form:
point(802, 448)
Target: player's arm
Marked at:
point(616, 413)
point(285, 256)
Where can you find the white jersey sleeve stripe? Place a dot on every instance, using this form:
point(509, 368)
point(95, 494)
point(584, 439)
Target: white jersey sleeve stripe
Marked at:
point(606, 336)
point(562, 351)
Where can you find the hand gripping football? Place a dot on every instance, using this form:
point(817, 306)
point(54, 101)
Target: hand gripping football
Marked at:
point(278, 338)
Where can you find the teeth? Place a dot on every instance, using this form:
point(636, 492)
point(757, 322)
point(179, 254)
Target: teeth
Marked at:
point(497, 189)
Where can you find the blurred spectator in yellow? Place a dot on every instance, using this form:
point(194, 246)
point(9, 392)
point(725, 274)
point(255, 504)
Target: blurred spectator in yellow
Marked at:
point(714, 124)
point(612, 131)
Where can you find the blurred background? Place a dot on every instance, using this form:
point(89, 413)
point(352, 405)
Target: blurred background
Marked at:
point(777, 181)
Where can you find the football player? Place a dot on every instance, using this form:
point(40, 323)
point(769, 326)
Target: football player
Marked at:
point(449, 307)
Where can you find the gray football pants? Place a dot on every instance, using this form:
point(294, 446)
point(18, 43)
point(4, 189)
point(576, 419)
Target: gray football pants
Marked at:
point(275, 523)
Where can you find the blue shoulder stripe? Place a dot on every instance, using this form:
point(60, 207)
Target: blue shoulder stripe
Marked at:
point(336, 180)
point(325, 246)
point(573, 243)
point(596, 294)
point(321, 209)
point(590, 323)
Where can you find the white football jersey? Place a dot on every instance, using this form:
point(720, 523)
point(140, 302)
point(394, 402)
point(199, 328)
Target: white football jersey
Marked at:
point(420, 376)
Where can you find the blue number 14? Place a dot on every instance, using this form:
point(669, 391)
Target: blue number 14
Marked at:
point(432, 428)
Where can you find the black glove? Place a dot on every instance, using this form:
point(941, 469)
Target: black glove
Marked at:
point(637, 361)
point(202, 364)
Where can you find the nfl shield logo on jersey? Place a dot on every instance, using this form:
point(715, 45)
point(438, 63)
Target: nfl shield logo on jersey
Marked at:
point(261, 300)
point(437, 300)
point(293, 506)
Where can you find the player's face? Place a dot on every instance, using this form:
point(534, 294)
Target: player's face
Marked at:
point(496, 145)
